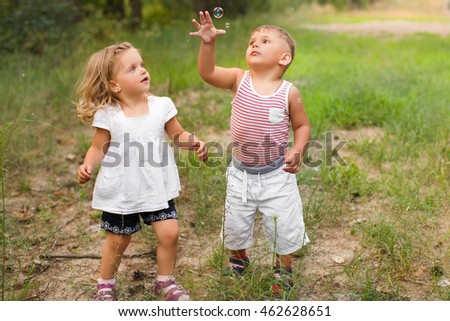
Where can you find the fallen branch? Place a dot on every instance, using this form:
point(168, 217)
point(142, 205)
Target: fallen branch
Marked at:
point(71, 256)
point(92, 256)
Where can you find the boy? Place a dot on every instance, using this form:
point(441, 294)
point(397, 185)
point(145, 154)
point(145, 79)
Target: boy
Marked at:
point(262, 173)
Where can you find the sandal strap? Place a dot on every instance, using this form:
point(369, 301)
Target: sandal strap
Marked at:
point(174, 293)
point(105, 292)
point(237, 266)
point(170, 291)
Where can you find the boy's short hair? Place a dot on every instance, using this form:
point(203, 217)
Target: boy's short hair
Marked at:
point(283, 33)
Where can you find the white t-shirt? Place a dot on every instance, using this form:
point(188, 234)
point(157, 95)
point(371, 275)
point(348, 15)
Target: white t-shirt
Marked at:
point(138, 173)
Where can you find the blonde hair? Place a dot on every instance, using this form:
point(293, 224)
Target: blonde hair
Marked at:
point(92, 91)
point(284, 34)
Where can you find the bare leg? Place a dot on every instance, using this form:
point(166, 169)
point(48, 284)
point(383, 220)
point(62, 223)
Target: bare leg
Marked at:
point(238, 253)
point(113, 250)
point(284, 261)
point(283, 275)
point(167, 232)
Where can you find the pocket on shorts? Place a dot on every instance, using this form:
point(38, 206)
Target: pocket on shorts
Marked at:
point(276, 115)
point(234, 183)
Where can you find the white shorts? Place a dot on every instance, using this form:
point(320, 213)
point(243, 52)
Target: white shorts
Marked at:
point(276, 196)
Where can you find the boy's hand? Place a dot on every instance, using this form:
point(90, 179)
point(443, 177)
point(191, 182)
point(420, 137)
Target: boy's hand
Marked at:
point(84, 174)
point(206, 30)
point(293, 161)
point(202, 151)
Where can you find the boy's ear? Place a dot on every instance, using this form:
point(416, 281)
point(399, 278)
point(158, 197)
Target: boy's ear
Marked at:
point(114, 87)
point(285, 59)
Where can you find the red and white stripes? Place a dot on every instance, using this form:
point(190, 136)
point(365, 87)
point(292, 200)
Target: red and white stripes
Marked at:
point(259, 124)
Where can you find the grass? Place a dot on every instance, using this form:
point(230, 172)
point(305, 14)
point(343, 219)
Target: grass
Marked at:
point(8, 286)
point(4, 134)
point(397, 182)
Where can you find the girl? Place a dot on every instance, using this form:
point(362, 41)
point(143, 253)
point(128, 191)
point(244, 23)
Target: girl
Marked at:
point(138, 177)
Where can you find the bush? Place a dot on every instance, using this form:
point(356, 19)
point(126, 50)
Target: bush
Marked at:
point(31, 25)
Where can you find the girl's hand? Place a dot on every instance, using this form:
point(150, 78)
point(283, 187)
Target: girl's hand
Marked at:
point(84, 173)
point(205, 29)
point(293, 161)
point(202, 151)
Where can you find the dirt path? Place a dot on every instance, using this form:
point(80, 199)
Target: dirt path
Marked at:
point(398, 27)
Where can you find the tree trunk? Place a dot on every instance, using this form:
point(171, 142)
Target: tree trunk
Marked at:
point(201, 5)
point(115, 8)
point(78, 5)
point(136, 13)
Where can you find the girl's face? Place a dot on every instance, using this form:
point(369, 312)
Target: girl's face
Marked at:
point(266, 48)
point(130, 75)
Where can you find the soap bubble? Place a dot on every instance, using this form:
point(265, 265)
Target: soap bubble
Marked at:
point(218, 12)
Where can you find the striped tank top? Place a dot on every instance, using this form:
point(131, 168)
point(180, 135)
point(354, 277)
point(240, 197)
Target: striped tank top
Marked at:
point(259, 124)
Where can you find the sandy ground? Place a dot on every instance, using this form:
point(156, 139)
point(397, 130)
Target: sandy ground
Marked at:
point(399, 27)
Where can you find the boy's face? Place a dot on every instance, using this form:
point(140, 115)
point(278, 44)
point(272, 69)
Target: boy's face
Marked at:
point(130, 74)
point(267, 48)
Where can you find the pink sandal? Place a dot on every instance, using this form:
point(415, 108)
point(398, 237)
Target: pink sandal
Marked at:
point(170, 291)
point(105, 292)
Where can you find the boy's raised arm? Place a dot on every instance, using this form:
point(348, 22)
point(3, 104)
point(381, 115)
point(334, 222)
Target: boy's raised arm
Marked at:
point(212, 74)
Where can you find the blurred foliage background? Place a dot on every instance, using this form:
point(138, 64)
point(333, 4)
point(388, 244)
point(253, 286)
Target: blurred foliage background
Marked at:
point(31, 25)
